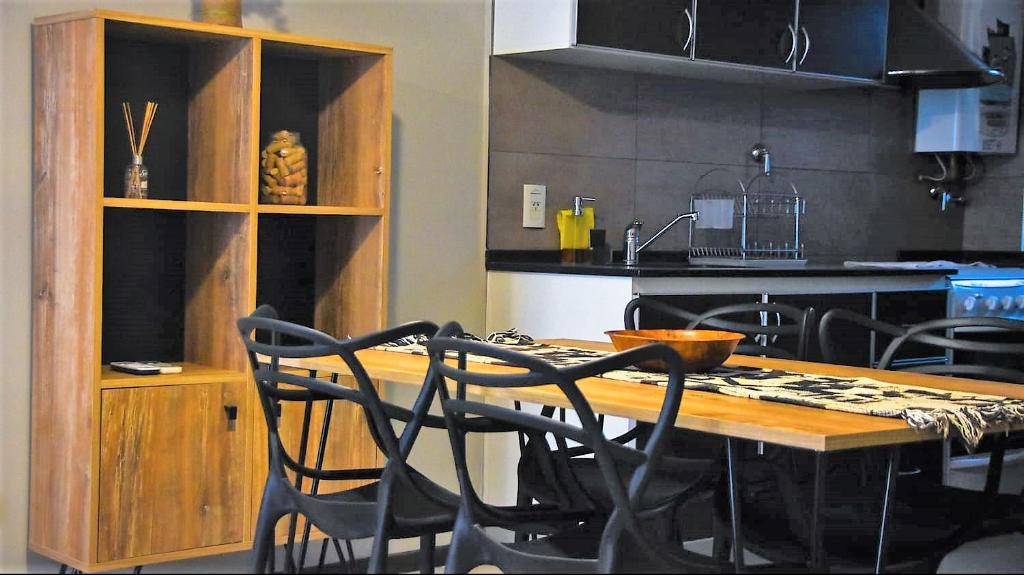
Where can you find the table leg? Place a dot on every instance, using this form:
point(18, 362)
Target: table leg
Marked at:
point(995, 467)
point(818, 557)
point(732, 464)
point(891, 472)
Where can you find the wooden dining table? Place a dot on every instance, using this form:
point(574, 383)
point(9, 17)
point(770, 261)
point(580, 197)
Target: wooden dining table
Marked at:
point(735, 419)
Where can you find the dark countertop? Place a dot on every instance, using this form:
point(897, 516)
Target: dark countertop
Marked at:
point(667, 264)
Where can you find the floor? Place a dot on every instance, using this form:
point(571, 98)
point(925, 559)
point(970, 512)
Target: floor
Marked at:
point(1004, 554)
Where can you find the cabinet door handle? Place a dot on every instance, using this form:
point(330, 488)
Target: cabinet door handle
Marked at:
point(231, 411)
point(792, 48)
point(689, 33)
point(807, 45)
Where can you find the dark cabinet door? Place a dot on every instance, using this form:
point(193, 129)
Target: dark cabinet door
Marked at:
point(756, 32)
point(844, 38)
point(658, 26)
point(851, 345)
point(905, 309)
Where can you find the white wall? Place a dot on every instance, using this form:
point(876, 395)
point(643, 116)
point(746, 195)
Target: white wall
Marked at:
point(439, 184)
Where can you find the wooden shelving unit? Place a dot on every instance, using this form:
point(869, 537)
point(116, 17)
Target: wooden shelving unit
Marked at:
point(130, 470)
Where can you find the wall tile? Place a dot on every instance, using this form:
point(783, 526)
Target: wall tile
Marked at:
point(611, 181)
point(694, 121)
point(556, 109)
point(870, 216)
point(908, 218)
point(663, 190)
point(893, 116)
point(839, 210)
point(821, 130)
point(992, 219)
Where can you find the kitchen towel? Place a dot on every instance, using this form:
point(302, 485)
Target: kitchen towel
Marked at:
point(714, 214)
point(964, 416)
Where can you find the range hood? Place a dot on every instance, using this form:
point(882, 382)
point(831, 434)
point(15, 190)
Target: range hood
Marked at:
point(924, 54)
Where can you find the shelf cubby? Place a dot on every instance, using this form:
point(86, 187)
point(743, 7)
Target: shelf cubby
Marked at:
point(324, 271)
point(335, 99)
point(200, 146)
point(173, 282)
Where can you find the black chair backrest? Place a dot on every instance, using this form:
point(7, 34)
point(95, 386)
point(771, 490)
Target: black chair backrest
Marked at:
point(609, 455)
point(963, 335)
point(304, 342)
point(773, 321)
point(832, 320)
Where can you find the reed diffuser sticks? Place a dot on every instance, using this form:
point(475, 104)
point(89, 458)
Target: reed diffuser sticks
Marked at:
point(139, 145)
point(136, 176)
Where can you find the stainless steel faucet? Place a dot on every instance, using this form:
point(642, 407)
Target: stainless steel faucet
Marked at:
point(631, 237)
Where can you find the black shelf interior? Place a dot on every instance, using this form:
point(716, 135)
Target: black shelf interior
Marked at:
point(290, 100)
point(138, 71)
point(286, 266)
point(144, 274)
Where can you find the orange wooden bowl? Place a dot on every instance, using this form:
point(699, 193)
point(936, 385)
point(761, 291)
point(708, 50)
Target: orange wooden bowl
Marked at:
point(700, 349)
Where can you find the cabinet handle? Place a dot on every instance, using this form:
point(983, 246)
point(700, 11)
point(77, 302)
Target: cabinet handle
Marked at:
point(231, 411)
point(807, 45)
point(689, 33)
point(792, 49)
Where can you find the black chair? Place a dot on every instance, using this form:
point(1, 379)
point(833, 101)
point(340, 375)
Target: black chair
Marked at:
point(764, 324)
point(624, 541)
point(970, 351)
point(838, 319)
point(755, 320)
point(960, 337)
point(398, 503)
point(929, 519)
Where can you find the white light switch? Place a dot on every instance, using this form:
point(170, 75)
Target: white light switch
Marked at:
point(534, 202)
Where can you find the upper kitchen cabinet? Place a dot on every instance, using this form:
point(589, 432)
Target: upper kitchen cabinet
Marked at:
point(796, 44)
point(841, 39)
point(845, 38)
point(755, 32)
point(656, 26)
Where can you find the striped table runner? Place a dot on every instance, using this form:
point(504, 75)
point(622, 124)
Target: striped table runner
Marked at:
point(963, 416)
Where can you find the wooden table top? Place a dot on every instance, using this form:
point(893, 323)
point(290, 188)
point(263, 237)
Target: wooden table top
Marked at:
point(771, 422)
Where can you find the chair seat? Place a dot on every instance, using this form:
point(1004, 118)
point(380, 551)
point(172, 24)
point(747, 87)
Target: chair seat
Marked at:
point(677, 479)
point(411, 511)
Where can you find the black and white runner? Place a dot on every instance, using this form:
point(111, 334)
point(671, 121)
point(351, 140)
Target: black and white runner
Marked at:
point(964, 416)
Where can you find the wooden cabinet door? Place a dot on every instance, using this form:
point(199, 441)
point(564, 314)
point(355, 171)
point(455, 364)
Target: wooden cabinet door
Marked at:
point(172, 469)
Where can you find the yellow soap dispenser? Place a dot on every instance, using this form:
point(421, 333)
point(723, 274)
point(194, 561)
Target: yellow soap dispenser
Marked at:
point(574, 230)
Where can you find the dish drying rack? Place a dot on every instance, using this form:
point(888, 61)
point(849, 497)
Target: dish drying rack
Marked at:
point(750, 228)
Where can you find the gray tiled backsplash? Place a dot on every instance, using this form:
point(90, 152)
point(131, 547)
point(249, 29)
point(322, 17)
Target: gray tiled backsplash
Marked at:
point(696, 121)
point(993, 220)
point(557, 109)
point(828, 130)
point(640, 143)
point(610, 180)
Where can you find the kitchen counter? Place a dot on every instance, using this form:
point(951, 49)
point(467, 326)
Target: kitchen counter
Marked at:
point(668, 265)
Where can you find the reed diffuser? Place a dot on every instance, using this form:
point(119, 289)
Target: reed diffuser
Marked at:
point(136, 175)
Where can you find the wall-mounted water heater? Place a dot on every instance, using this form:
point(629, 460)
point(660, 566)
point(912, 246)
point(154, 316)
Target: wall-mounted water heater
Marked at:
point(980, 120)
